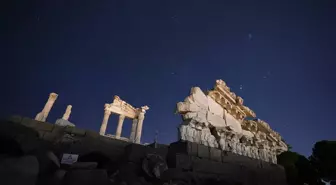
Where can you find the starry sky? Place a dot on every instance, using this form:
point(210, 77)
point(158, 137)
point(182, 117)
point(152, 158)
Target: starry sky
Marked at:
point(278, 55)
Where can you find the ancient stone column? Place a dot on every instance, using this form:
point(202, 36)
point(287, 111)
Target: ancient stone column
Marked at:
point(104, 123)
point(133, 130)
point(42, 116)
point(141, 118)
point(67, 113)
point(119, 127)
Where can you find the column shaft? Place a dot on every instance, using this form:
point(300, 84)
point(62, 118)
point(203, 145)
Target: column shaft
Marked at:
point(104, 123)
point(67, 113)
point(120, 125)
point(42, 116)
point(134, 127)
point(139, 128)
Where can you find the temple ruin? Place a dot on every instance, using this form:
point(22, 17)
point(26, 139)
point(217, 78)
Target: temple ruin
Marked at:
point(217, 119)
point(124, 110)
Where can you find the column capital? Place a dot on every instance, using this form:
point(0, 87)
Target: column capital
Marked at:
point(107, 112)
point(141, 116)
point(53, 96)
point(144, 109)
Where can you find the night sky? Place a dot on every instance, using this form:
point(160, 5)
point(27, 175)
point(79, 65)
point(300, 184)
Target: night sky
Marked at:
point(279, 56)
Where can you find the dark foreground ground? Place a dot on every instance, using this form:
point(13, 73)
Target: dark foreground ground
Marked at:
point(31, 152)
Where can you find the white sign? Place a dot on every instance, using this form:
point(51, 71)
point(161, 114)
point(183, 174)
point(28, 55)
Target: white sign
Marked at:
point(69, 158)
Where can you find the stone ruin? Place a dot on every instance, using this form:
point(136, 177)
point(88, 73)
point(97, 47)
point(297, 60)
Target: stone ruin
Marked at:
point(118, 106)
point(124, 110)
point(217, 119)
point(43, 115)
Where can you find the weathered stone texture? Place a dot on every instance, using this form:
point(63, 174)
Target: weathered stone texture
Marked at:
point(215, 108)
point(203, 152)
point(233, 124)
point(215, 154)
point(63, 122)
point(216, 119)
point(30, 133)
point(226, 167)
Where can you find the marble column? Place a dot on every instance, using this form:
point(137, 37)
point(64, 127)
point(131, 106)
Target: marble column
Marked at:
point(67, 113)
point(133, 130)
point(104, 123)
point(141, 117)
point(42, 116)
point(120, 125)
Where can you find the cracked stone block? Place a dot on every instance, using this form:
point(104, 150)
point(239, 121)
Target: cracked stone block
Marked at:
point(215, 108)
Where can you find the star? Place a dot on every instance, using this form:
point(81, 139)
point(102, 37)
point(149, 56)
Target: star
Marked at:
point(250, 36)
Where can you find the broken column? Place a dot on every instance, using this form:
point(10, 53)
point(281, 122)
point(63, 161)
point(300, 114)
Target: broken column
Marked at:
point(42, 116)
point(67, 112)
point(64, 121)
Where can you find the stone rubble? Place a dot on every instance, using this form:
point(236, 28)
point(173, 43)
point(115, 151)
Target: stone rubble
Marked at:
point(216, 119)
point(64, 123)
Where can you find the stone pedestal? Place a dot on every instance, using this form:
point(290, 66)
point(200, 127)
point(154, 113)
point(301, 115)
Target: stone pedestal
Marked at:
point(119, 127)
point(104, 123)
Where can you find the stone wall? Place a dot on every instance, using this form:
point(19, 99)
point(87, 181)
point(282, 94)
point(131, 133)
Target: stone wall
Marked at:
point(62, 139)
point(213, 163)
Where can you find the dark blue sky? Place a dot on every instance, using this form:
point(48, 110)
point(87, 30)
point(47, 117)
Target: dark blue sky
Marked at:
point(89, 51)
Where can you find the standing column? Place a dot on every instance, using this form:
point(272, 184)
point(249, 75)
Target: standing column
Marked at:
point(104, 123)
point(141, 117)
point(133, 130)
point(42, 116)
point(119, 127)
point(67, 113)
